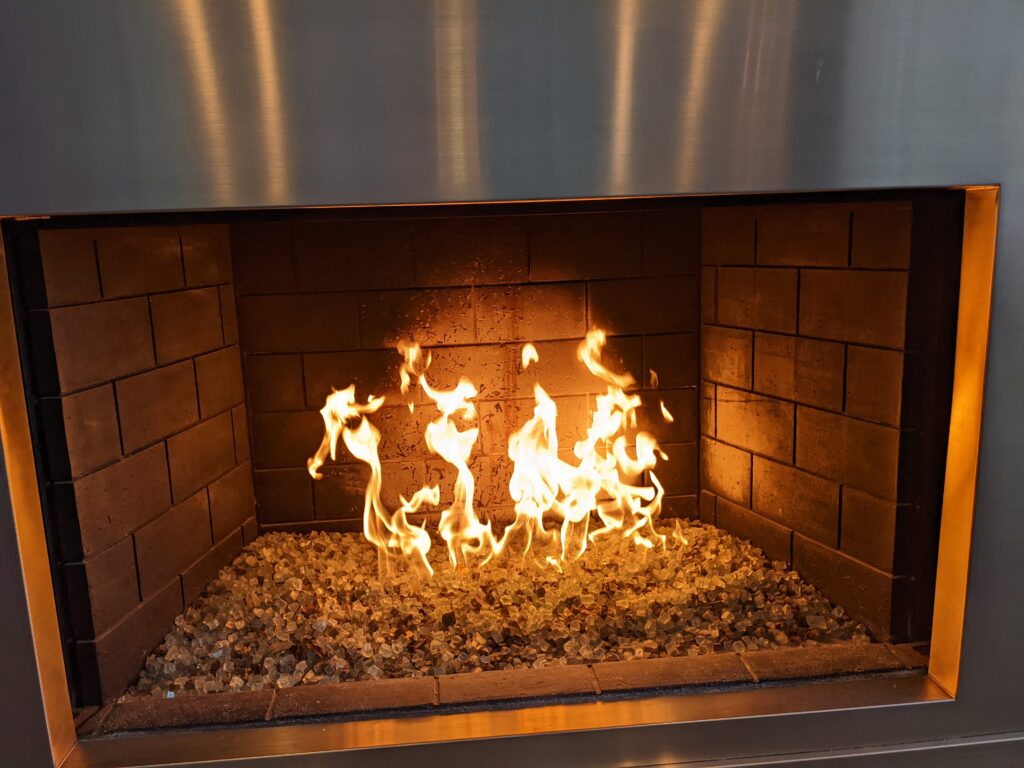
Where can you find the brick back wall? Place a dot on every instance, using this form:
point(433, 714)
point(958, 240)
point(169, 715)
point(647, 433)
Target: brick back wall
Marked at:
point(139, 394)
point(804, 427)
point(323, 304)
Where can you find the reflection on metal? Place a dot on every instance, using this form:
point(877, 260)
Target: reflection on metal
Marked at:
point(960, 492)
point(210, 105)
point(269, 82)
point(455, 63)
point(579, 734)
point(21, 529)
point(694, 97)
point(624, 53)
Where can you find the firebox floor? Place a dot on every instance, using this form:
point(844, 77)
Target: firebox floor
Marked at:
point(295, 610)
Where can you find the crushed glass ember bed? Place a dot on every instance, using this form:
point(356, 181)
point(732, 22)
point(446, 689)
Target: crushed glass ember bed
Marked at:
point(298, 609)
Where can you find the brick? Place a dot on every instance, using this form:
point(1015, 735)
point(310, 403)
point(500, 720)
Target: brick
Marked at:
point(531, 312)
point(764, 299)
point(197, 577)
point(681, 404)
point(283, 495)
point(112, 661)
point(491, 368)
point(805, 370)
point(102, 589)
point(674, 357)
point(262, 258)
point(881, 235)
point(759, 424)
point(708, 409)
point(69, 266)
point(821, 661)
point(148, 712)
point(560, 372)
point(206, 250)
point(727, 355)
point(240, 426)
point(847, 305)
point(645, 305)
point(712, 669)
point(169, 544)
point(492, 475)
point(352, 255)
point(303, 527)
point(228, 314)
point(90, 429)
point(401, 433)
point(874, 383)
point(314, 322)
point(219, 375)
point(135, 260)
point(250, 530)
point(231, 501)
point(671, 242)
point(680, 507)
point(727, 235)
point(577, 246)
point(803, 235)
point(678, 474)
point(287, 439)
point(725, 470)
point(771, 537)
point(186, 323)
point(707, 507)
point(275, 382)
point(118, 499)
point(200, 454)
point(708, 294)
point(510, 684)
point(156, 404)
point(848, 451)
point(865, 593)
point(99, 342)
point(356, 696)
point(797, 500)
point(374, 372)
point(340, 493)
point(428, 316)
point(472, 250)
point(869, 529)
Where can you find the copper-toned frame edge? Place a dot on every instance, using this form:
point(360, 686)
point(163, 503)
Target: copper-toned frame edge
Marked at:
point(30, 536)
point(981, 214)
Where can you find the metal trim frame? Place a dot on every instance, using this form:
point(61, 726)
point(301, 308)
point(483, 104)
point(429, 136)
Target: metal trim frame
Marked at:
point(183, 105)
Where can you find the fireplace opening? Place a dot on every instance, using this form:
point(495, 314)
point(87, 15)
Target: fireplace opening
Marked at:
point(351, 461)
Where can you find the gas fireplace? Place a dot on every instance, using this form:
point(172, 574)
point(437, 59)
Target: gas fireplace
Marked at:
point(338, 463)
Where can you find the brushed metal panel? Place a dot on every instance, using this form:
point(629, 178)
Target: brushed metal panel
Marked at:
point(185, 104)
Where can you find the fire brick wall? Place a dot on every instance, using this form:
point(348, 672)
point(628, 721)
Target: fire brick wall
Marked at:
point(820, 442)
point(323, 304)
point(138, 388)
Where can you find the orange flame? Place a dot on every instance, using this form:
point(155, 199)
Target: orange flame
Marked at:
point(554, 499)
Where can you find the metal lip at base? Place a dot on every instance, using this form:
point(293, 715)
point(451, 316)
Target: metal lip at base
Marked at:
point(592, 731)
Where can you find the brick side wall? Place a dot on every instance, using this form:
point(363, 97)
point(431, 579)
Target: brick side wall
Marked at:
point(323, 304)
point(139, 383)
point(804, 349)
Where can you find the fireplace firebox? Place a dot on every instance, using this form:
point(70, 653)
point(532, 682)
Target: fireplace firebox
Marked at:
point(321, 463)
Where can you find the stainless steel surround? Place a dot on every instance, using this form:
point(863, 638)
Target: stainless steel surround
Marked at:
point(160, 106)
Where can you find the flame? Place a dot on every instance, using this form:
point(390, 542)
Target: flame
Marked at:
point(529, 355)
point(665, 413)
point(556, 502)
point(385, 531)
